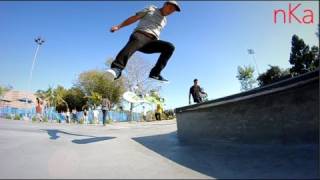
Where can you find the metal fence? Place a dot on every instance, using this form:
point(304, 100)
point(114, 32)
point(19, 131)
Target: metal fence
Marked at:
point(51, 115)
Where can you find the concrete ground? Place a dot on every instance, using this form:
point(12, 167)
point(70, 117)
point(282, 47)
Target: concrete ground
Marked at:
point(140, 150)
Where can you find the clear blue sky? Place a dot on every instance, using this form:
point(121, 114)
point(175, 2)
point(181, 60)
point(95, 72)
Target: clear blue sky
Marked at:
point(211, 40)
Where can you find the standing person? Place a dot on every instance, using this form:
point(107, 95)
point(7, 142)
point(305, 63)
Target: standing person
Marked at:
point(106, 106)
point(68, 115)
point(196, 92)
point(85, 114)
point(144, 113)
point(85, 109)
point(63, 114)
point(95, 116)
point(145, 38)
point(158, 112)
point(39, 110)
point(74, 115)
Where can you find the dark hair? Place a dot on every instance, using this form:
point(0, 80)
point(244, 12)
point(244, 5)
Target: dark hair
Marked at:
point(195, 80)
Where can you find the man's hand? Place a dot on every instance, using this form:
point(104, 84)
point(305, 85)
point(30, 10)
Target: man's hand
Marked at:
point(114, 28)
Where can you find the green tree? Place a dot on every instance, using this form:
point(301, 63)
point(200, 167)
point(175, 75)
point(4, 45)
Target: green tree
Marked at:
point(302, 57)
point(273, 74)
point(59, 95)
point(49, 96)
point(94, 99)
point(246, 78)
point(55, 97)
point(96, 83)
point(75, 98)
point(135, 78)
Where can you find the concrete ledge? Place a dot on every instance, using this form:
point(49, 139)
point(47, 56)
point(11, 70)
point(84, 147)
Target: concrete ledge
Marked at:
point(284, 112)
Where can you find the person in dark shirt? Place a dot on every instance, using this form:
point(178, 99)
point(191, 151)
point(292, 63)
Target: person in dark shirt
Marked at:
point(196, 92)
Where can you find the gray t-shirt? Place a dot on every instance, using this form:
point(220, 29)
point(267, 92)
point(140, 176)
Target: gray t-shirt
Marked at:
point(105, 104)
point(152, 21)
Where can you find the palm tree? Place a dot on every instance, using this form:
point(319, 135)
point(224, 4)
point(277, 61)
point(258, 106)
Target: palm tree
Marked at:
point(41, 94)
point(59, 94)
point(95, 98)
point(52, 96)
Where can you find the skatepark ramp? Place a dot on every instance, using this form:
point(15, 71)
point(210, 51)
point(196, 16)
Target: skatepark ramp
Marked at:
point(286, 112)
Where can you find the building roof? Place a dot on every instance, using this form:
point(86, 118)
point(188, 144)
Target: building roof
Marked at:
point(18, 99)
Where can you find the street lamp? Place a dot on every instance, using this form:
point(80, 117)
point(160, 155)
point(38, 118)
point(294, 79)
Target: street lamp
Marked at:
point(251, 52)
point(39, 42)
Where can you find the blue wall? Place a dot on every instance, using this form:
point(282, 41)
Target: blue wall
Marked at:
point(53, 115)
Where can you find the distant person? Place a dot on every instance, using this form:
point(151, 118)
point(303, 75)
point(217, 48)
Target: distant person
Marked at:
point(63, 114)
point(144, 116)
point(68, 115)
point(39, 110)
point(145, 38)
point(74, 115)
point(158, 112)
point(85, 110)
point(85, 116)
point(105, 107)
point(196, 91)
point(95, 116)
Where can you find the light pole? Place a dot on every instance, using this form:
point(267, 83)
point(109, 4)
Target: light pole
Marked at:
point(39, 42)
point(251, 52)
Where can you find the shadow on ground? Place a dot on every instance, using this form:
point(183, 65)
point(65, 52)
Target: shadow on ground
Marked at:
point(223, 160)
point(53, 134)
point(91, 140)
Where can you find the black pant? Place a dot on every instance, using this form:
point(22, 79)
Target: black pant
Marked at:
point(145, 44)
point(197, 100)
point(158, 116)
point(104, 116)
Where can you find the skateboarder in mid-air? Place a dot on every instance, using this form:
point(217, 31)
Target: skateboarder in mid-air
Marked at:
point(145, 38)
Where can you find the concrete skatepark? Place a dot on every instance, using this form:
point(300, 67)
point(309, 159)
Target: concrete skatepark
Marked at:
point(286, 112)
point(140, 150)
point(210, 148)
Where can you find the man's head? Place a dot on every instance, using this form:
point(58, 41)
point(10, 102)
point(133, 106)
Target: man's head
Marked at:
point(195, 81)
point(170, 7)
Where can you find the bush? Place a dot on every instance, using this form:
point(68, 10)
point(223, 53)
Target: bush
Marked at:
point(8, 116)
point(109, 121)
point(81, 121)
point(45, 119)
point(17, 117)
point(34, 119)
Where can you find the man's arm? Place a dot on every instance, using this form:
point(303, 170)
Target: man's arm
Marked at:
point(127, 22)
